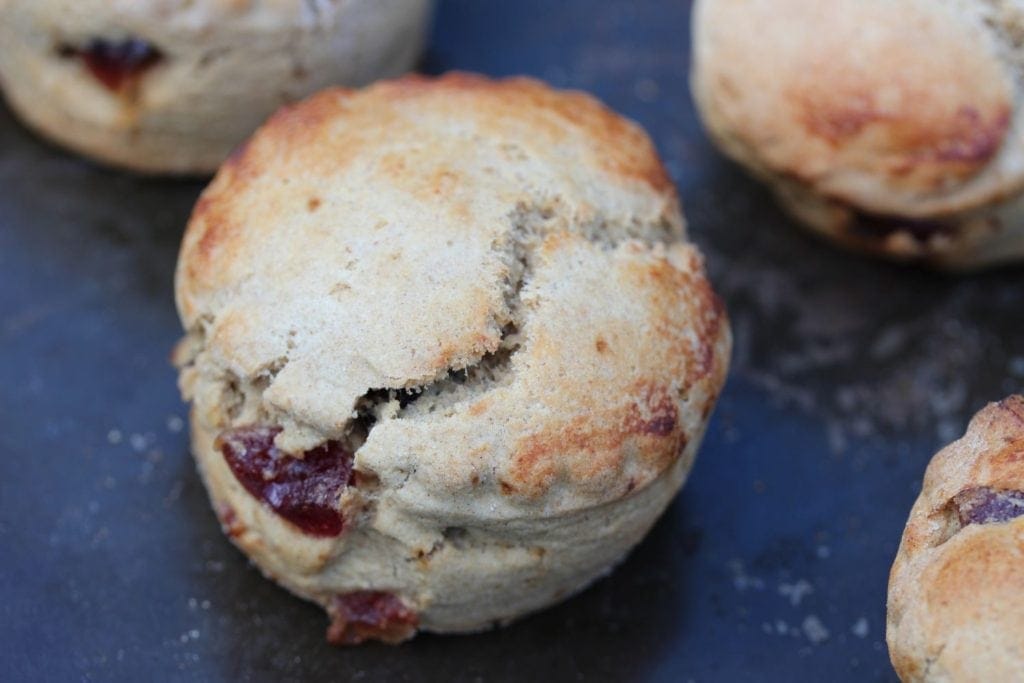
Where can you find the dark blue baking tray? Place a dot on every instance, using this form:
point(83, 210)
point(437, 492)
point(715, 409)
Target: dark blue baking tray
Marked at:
point(771, 565)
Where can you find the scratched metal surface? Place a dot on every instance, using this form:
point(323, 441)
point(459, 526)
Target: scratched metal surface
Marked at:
point(771, 565)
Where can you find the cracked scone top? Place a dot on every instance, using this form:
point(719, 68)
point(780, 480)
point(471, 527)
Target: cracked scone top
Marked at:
point(478, 294)
point(890, 126)
point(173, 85)
point(956, 592)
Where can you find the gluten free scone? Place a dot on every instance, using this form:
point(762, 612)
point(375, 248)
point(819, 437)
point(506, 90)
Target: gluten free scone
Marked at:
point(956, 592)
point(892, 127)
point(448, 350)
point(172, 86)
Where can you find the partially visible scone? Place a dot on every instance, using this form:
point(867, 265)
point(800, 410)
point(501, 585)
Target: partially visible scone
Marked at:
point(956, 593)
point(173, 86)
point(890, 126)
point(449, 352)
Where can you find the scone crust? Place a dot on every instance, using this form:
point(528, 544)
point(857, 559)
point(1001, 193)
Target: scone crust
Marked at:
point(881, 108)
point(224, 66)
point(956, 594)
point(513, 254)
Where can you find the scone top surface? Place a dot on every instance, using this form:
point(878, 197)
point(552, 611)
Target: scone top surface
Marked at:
point(893, 106)
point(509, 254)
point(956, 593)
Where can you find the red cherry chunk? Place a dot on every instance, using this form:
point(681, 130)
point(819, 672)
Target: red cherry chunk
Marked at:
point(370, 615)
point(303, 490)
point(116, 64)
point(984, 505)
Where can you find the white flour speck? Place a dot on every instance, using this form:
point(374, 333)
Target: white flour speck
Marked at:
point(740, 580)
point(114, 436)
point(796, 592)
point(814, 629)
point(860, 628)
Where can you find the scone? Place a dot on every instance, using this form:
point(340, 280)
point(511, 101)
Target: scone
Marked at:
point(449, 352)
point(956, 593)
point(172, 86)
point(893, 127)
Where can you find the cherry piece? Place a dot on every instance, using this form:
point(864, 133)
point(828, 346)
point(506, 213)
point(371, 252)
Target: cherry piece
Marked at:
point(984, 505)
point(369, 615)
point(116, 65)
point(304, 490)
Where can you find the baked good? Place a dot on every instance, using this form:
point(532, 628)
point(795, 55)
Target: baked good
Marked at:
point(463, 316)
point(172, 86)
point(956, 593)
point(888, 126)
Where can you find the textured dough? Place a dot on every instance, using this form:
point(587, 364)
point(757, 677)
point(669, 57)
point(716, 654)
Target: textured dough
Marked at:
point(226, 66)
point(513, 256)
point(890, 126)
point(956, 592)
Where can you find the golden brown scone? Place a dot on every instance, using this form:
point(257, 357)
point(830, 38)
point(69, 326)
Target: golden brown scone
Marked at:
point(172, 86)
point(956, 592)
point(890, 126)
point(464, 313)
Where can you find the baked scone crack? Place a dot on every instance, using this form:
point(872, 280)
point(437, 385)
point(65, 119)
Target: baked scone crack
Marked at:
point(249, 436)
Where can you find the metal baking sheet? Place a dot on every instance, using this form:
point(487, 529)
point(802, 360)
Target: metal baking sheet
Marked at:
point(770, 566)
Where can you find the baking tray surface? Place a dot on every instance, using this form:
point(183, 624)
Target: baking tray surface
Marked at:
point(770, 566)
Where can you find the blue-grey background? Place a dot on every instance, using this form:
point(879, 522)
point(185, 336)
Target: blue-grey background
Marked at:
point(771, 565)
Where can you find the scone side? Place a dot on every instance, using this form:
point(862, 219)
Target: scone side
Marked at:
point(988, 236)
point(482, 578)
point(151, 153)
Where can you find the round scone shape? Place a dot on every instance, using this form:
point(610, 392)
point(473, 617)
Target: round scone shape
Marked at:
point(447, 348)
point(956, 591)
point(889, 126)
point(172, 86)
